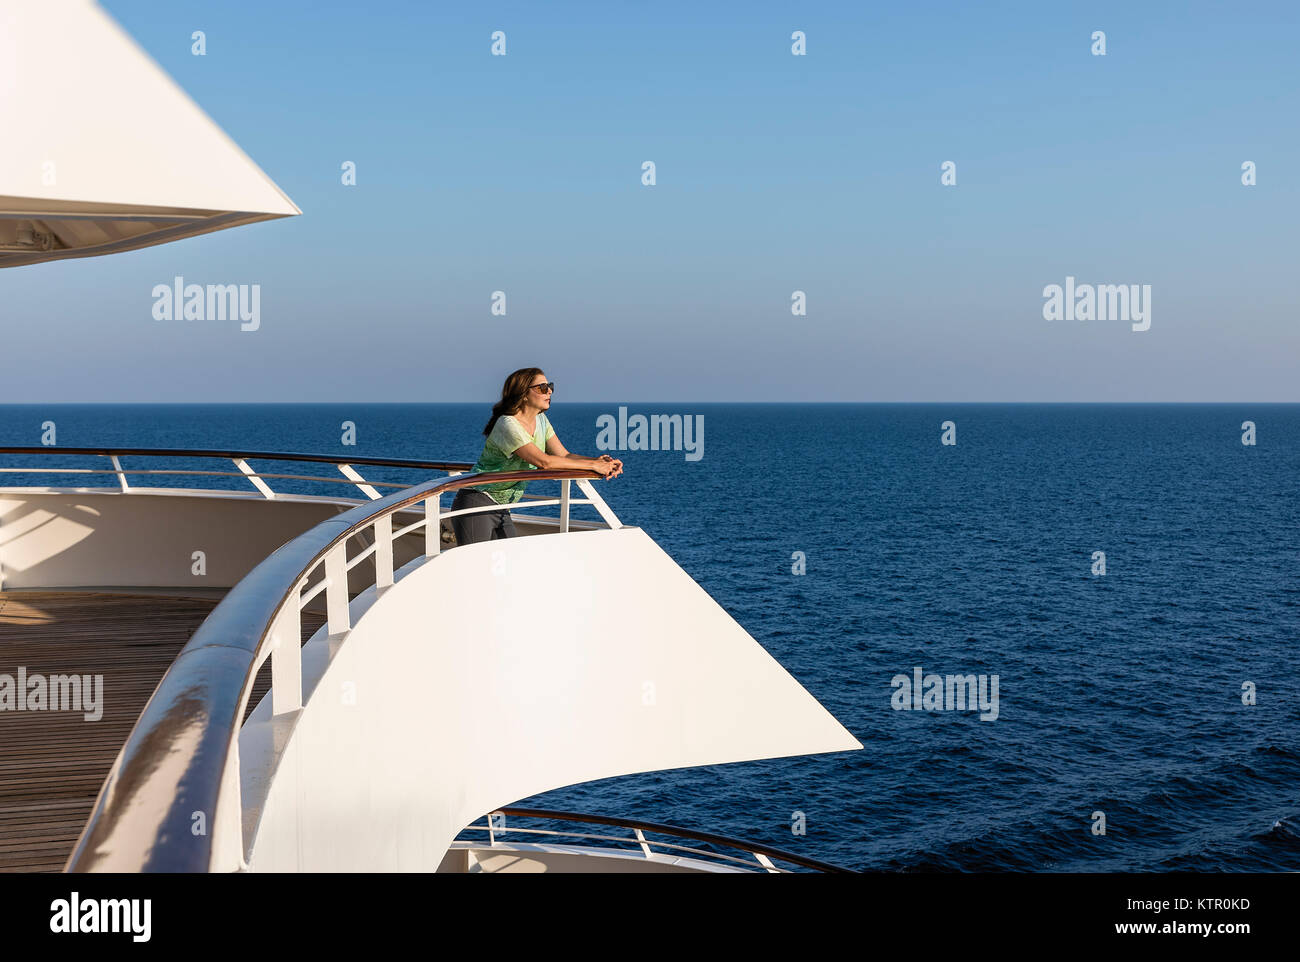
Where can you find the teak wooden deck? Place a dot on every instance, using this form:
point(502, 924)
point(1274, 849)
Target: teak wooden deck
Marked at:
point(53, 763)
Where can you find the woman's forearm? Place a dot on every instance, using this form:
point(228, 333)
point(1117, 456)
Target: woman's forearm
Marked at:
point(570, 461)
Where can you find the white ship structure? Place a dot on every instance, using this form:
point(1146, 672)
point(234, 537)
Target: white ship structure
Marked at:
point(308, 682)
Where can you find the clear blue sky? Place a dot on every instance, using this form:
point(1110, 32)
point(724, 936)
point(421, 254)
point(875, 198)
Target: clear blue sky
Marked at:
point(775, 173)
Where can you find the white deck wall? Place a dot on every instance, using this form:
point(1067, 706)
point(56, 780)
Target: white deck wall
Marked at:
point(504, 669)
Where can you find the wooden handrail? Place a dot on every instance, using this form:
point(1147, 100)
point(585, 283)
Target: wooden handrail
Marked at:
point(281, 455)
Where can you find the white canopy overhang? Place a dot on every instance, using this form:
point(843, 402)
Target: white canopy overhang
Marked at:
point(101, 151)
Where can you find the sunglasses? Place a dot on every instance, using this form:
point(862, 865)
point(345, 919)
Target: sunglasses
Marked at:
point(546, 387)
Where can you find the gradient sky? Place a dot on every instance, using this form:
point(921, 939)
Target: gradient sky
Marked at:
point(775, 173)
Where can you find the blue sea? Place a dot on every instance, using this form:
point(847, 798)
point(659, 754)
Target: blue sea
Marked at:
point(1119, 694)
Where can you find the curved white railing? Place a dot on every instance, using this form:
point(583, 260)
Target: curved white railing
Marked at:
point(759, 858)
point(182, 755)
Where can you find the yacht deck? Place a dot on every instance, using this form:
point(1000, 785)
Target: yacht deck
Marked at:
point(53, 763)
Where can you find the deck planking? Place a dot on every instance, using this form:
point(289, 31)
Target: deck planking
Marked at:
point(53, 763)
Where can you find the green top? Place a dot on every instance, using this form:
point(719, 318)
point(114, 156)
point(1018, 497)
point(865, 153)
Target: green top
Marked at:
point(507, 436)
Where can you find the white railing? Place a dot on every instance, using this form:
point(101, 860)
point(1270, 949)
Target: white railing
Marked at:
point(756, 857)
point(192, 722)
point(258, 479)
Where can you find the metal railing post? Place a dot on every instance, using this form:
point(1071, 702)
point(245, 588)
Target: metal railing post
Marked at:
point(117, 466)
point(640, 837)
point(226, 822)
point(351, 474)
point(252, 476)
point(564, 506)
point(336, 590)
point(432, 525)
point(599, 504)
point(286, 661)
point(383, 552)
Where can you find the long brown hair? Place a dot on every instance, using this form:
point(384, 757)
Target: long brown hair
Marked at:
point(513, 393)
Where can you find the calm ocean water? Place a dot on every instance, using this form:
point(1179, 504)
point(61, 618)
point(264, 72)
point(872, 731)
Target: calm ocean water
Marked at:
point(1120, 694)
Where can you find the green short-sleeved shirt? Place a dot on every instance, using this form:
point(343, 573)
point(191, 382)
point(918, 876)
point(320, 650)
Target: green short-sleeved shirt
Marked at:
point(507, 436)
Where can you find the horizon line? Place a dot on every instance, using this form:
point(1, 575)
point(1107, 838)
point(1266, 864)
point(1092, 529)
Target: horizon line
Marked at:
point(616, 403)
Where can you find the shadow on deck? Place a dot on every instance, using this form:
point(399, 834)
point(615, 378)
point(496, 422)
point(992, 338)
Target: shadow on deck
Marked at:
point(53, 763)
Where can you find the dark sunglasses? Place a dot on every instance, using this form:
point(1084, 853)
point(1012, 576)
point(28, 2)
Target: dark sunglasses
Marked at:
point(547, 387)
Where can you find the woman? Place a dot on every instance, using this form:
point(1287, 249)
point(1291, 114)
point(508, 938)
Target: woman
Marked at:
point(519, 438)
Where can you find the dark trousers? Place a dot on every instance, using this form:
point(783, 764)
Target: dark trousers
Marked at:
point(483, 526)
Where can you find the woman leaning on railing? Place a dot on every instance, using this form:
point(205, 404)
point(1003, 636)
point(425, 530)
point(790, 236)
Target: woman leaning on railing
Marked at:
point(519, 437)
